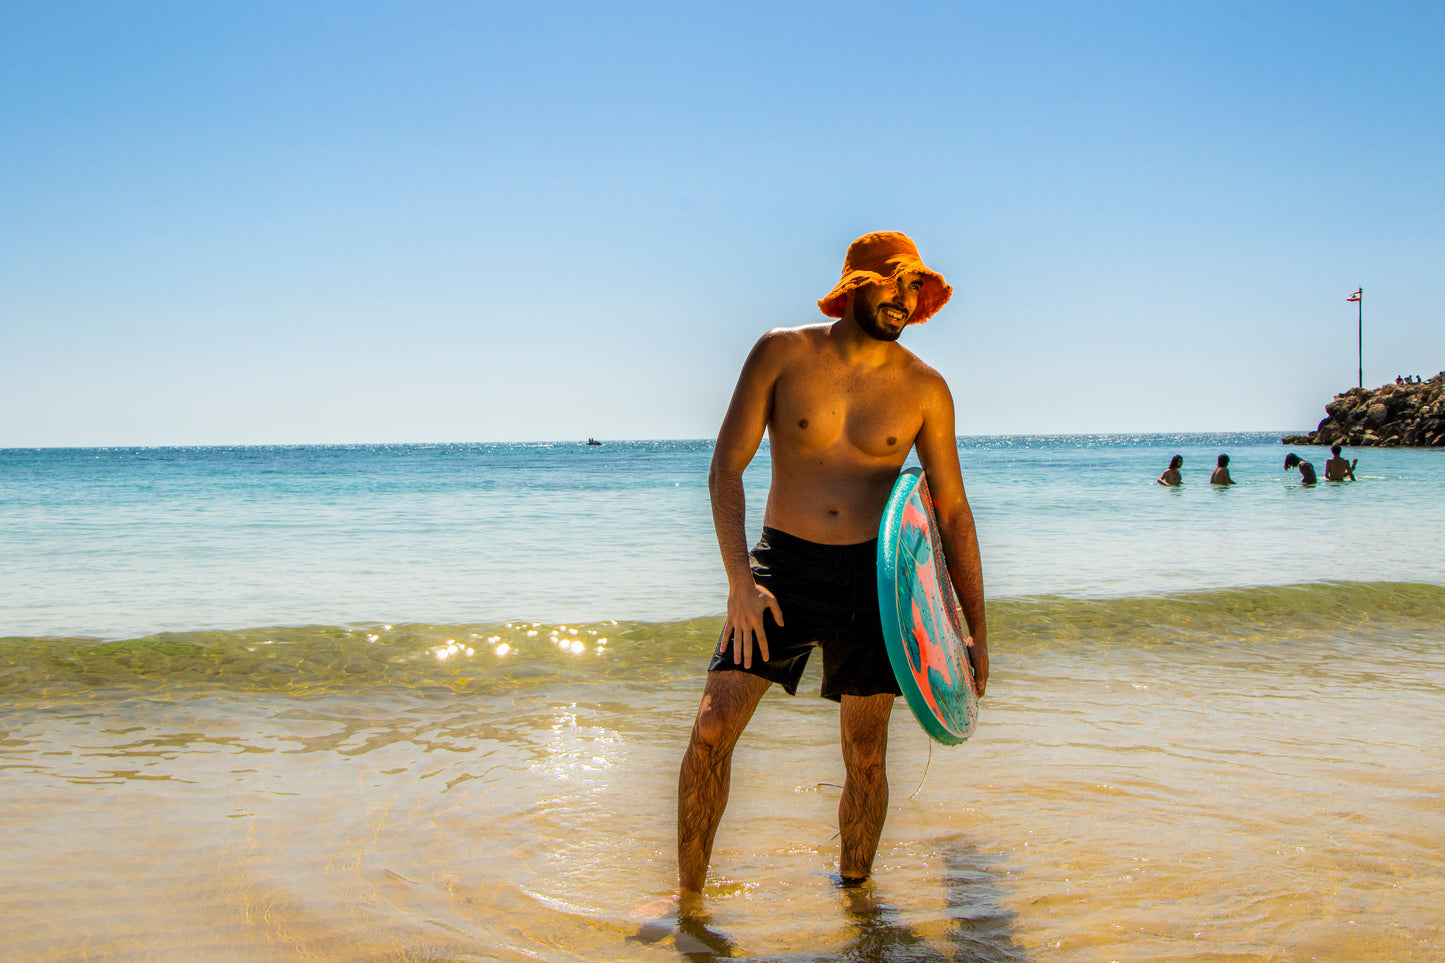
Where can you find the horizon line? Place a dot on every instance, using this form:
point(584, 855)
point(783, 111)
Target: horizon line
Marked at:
point(583, 441)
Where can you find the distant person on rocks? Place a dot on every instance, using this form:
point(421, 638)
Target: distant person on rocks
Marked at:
point(1307, 474)
point(1337, 469)
point(1171, 474)
point(1220, 476)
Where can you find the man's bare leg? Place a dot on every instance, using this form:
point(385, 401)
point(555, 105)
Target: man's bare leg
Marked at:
point(864, 724)
point(728, 701)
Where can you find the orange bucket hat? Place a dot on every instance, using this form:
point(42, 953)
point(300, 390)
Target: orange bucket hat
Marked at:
point(882, 256)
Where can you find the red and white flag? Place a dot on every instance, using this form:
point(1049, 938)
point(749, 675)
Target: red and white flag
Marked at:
point(1356, 296)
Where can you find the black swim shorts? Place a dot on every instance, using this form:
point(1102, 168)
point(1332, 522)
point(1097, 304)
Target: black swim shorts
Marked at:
point(829, 598)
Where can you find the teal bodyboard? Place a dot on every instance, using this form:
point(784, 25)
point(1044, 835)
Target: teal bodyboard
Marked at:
point(921, 626)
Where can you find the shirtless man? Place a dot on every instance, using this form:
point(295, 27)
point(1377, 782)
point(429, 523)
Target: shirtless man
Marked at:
point(1337, 469)
point(843, 404)
point(1170, 475)
point(1220, 475)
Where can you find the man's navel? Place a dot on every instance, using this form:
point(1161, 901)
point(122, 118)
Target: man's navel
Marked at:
point(802, 422)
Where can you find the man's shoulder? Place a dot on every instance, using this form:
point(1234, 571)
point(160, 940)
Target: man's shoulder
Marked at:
point(916, 366)
point(787, 346)
point(801, 335)
point(921, 376)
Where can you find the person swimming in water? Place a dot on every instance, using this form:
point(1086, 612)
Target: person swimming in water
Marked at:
point(1171, 474)
point(1306, 470)
point(1220, 475)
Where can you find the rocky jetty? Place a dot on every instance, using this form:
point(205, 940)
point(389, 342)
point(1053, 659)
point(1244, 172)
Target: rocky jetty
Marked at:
point(1409, 415)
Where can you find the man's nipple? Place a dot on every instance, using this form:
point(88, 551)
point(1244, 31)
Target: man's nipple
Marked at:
point(892, 440)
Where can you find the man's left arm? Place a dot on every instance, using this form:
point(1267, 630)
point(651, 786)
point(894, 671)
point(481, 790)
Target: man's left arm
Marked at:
point(937, 448)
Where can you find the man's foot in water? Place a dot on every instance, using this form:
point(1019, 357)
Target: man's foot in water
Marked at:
point(656, 920)
point(684, 921)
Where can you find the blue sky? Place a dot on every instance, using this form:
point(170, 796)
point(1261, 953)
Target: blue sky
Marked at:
point(232, 223)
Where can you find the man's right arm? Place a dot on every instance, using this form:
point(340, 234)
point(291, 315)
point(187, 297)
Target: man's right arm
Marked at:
point(737, 443)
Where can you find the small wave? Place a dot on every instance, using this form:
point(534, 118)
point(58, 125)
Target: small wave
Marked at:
point(316, 659)
point(500, 657)
point(1260, 612)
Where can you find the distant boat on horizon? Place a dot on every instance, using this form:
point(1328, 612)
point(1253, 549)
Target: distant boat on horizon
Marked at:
point(593, 441)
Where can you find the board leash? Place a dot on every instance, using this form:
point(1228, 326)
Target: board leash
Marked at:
point(924, 778)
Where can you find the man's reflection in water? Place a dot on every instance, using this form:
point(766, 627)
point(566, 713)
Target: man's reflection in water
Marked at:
point(982, 930)
point(688, 930)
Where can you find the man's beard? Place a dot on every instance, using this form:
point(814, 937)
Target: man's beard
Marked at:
point(868, 320)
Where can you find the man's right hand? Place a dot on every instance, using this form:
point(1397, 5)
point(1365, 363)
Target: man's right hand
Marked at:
point(978, 661)
point(746, 608)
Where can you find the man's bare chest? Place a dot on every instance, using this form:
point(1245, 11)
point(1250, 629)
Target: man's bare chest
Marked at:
point(821, 410)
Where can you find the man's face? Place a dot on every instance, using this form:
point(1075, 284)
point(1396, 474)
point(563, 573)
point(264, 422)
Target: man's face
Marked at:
point(882, 309)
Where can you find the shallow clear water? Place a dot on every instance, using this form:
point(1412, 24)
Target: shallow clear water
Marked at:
point(1211, 732)
point(118, 542)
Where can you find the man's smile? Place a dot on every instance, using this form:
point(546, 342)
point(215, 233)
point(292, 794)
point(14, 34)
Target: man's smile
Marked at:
point(892, 312)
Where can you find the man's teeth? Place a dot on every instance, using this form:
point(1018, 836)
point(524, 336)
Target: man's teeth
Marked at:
point(893, 313)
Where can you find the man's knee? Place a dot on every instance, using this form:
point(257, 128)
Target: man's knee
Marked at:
point(866, 758)
point(710, 735)
point(727, 705)
point(865, 733)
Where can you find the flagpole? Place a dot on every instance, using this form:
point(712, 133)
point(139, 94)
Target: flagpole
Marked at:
point(1360, 334)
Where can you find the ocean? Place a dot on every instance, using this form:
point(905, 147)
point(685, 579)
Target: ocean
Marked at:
point(427, 702)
